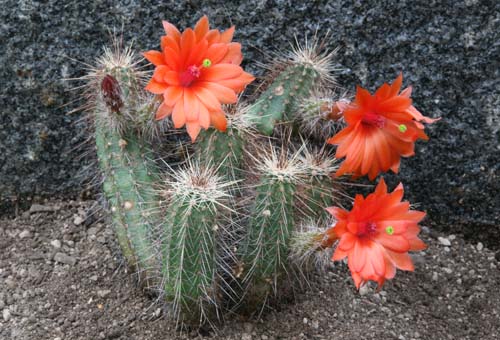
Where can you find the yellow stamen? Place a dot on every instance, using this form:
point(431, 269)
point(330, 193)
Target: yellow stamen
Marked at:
point(206, 63)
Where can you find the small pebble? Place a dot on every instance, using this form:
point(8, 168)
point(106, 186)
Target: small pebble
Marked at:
point(56, 244)
point(63, 258)
point(103, 293)
point(448, 270)
point(6, 314)
point(434, 276)
point(24, 234)
point(10, 283)
point(444, 241)
point(364, 290)
point(305, 321)
point(42, 208)
point(246, 336)
point(77, 220)
point(479, 246)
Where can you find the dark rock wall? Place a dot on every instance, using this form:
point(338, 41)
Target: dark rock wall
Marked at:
point(449, 50)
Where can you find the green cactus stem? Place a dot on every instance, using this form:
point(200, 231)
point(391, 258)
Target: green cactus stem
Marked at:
point(190, 245)
point(319, 189)
point(280, 101)
point(223, 150)
point(128, 179)
point(266, 247)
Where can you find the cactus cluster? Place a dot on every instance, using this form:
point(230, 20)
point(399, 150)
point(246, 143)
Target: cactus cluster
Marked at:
point(216, 231)
point(239, 220)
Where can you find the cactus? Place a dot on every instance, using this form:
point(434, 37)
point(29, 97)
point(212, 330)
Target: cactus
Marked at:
point(127, 187)
point(280, 100)
point(197, 204)
point(125, 158)
point(308, 66)
point(266, 247)
point(319, 116)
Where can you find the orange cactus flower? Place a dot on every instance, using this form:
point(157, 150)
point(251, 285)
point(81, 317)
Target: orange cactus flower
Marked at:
point(376, 235)
point(197, 71)
point(380, 129)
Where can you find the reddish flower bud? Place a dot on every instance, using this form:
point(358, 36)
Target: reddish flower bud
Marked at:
point(111, 93)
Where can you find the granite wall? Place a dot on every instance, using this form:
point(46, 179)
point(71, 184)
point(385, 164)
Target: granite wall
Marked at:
point(449, 50)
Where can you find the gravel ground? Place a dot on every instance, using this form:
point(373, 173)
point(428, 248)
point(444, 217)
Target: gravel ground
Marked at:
point(62, 277)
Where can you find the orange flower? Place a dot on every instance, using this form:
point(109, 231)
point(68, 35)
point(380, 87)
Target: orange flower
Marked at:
point(196, 72)
point(380, 129)
point(376, 235)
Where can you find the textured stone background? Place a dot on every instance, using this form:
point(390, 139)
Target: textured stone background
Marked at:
point(449, 51)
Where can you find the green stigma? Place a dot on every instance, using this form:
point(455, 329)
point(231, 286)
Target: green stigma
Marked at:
point(389, 230)
point(207, 63)
point(402, 128)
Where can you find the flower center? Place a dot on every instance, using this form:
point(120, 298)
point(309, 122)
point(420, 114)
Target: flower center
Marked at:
point(191, 74)
point(366, 229)
point(373, 118)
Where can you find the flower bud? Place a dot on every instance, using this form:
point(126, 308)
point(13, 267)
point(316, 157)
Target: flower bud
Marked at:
point(111, 93)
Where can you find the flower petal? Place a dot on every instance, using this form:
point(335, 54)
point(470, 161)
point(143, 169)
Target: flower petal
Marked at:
point(218, 120)
point(191, 106)
point(223, 94)
point(171, 30)
point(156, 87)
point(193, 129)
point(163, 111)
point(220, 72)
point(208, 99)
point(227, 35)
point(172, 95)
point(154, 57)
point(204, 117)
point(178, 115)
point(201, 28)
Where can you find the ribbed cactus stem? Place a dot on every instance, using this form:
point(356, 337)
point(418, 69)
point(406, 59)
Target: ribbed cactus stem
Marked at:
point(190, 245)
point(319, 187)
point(128, 179)
point(270, 228)
point(280, 100)
point(223, 150)
point(319, 196)
point(266, 247)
